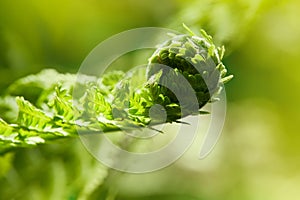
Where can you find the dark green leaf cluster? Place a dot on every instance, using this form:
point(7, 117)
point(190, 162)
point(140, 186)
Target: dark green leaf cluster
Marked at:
point(192, 58)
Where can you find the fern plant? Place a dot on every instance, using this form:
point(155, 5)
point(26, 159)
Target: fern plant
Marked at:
point(49, 109)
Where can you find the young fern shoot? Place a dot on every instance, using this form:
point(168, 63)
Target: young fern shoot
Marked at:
point(183, 74)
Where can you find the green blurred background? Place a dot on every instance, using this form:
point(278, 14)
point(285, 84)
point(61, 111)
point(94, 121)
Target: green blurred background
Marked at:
point(258, 154)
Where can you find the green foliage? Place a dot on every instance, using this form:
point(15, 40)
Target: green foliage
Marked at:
point(51, 105)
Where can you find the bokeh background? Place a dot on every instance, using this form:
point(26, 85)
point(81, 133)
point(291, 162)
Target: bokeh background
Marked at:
point(258, 154)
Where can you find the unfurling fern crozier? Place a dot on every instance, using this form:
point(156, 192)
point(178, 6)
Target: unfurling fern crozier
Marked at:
point(196, 59)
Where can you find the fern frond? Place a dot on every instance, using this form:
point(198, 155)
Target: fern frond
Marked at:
point(48, 108)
